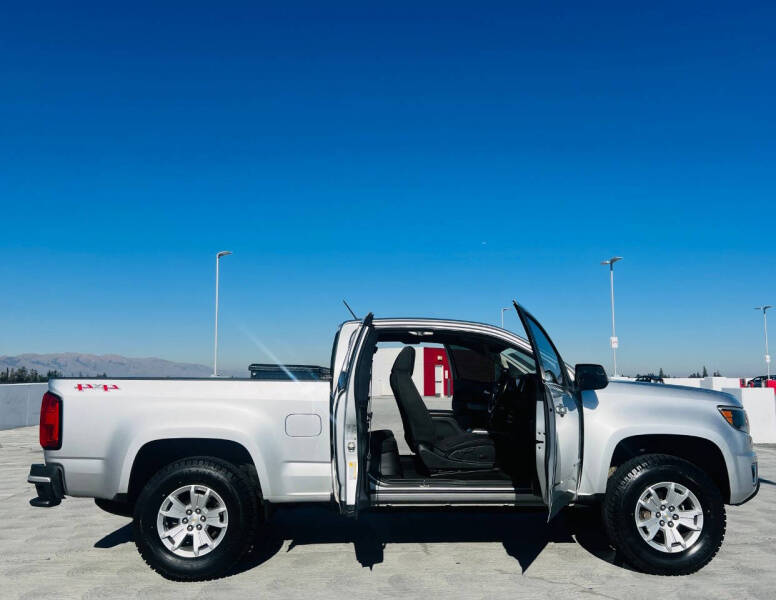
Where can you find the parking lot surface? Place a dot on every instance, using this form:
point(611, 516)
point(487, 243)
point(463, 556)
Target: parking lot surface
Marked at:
point(75, 550)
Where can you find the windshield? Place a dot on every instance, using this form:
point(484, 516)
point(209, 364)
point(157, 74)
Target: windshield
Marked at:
point(519, 363)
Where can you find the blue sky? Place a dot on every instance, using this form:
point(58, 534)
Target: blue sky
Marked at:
point(434, 161)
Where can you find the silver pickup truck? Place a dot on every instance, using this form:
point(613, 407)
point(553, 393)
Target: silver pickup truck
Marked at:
point(199, 463)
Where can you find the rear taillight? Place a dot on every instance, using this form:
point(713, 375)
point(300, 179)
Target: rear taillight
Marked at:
point(51, 422)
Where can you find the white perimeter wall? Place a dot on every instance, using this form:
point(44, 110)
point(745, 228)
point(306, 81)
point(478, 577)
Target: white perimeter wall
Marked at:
point(760, 405)
point(707, 383)
point(685, 381)
point(381, 370)
point(20, 404)
point(720, 383)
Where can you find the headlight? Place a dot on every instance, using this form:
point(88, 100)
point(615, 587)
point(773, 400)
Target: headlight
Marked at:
point(736, 417)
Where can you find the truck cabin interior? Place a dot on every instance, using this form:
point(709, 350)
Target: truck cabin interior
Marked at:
point(488, 434)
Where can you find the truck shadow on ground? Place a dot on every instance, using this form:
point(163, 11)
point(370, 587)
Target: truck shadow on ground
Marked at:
point(524, 534)
point(122, 535)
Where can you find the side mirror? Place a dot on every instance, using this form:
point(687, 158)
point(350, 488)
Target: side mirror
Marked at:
point(590, 377)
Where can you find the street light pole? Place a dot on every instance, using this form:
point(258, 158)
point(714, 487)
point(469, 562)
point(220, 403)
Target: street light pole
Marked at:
point(215, 336)
point(765, 327)
point(503, 310)
point(613, 340)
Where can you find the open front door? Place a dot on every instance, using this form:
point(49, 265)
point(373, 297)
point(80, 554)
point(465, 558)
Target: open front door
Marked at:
point(348, 407)
point(559, 424)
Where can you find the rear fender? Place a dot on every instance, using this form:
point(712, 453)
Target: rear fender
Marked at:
point(217, 433)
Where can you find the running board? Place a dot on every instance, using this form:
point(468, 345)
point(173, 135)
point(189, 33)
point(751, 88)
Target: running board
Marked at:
point(438, 496)
point(453, 499)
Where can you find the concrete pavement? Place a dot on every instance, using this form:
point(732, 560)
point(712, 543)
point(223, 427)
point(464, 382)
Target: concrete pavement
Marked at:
point(77, 551)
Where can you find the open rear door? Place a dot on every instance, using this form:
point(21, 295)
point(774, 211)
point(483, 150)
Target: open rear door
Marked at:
point(559, 428)
point(349, 429)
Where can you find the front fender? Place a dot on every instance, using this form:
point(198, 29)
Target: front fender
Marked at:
point(599, 451)
point(625, 411)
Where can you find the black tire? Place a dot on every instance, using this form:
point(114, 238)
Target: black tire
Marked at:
point(623, 492)
point(242, 502)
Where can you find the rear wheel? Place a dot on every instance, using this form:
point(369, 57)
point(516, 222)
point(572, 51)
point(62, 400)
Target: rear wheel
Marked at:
point(196, 518)
point(664, 515)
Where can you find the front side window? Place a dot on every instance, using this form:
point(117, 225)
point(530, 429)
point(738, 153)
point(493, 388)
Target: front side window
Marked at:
point(552, 365)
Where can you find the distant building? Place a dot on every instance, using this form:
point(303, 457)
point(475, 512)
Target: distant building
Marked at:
point(431, 374)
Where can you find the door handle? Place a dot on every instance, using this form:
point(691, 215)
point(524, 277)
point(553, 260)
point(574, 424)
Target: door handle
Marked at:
point(561, 409)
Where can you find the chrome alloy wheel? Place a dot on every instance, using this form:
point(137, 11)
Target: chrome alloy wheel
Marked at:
point(669, 517)
point(192, 521)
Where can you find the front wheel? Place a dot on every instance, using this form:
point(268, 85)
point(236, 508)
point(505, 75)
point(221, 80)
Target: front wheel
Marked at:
point(195, 519)
point(664, 514)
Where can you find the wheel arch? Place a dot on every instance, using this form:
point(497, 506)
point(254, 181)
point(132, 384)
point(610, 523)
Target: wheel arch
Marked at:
point(702, 452)
point(152, 455)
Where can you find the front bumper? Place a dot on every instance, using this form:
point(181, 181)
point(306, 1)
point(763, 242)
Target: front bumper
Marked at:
point(750, 494)
point(47, 480)
point(745, 478)
point(753, 494)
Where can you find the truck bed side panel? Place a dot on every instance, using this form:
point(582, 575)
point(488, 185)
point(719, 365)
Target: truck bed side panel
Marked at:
point(105, 425)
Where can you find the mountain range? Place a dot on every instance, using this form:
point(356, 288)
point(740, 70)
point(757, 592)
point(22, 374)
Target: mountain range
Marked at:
point(113, 365)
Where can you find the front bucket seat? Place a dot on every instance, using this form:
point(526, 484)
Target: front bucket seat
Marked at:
point(463, 451)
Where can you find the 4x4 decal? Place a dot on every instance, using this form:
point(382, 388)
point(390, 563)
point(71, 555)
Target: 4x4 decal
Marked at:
point(105, 387)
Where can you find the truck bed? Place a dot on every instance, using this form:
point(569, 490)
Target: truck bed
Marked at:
point(282, 425)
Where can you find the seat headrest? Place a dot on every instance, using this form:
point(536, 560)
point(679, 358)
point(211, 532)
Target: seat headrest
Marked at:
point(405, 362)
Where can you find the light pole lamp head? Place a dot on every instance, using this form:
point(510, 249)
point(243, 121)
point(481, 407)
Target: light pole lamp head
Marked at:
point(763, 308)
point(223, 253)
point(611, 261)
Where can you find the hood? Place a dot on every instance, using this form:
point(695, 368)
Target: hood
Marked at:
point(677, 393)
